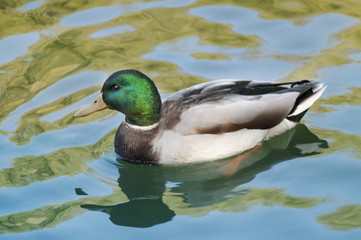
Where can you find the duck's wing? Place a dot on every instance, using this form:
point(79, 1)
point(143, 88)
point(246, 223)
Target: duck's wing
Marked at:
point(230, 105)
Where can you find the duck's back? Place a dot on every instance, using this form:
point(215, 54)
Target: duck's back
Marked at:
point(230, 105)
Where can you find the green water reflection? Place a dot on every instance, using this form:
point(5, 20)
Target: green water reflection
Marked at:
point(56, 54)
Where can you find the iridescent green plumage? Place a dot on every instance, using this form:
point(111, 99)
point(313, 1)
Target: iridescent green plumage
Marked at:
point(133, 94)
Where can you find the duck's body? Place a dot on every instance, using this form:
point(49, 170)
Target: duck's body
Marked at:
point(206, 122)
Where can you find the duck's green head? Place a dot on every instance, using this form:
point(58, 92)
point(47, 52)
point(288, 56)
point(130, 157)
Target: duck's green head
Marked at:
point(130, 92)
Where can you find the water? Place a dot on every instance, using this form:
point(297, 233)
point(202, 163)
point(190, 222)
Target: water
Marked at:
point(59, 176)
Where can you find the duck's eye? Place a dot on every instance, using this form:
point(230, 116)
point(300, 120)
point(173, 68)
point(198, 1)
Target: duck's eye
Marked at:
point(115, 87)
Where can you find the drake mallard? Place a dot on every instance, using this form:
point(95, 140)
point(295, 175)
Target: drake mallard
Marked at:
point(205, 122)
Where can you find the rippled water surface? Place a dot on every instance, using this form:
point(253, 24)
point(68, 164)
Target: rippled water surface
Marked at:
point(59, 176)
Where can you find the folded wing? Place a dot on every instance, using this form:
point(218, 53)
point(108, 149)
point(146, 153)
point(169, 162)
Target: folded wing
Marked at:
point(231, 105)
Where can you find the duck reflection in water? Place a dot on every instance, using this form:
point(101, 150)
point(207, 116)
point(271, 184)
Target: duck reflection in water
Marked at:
point(144, 189)
point(200, 184)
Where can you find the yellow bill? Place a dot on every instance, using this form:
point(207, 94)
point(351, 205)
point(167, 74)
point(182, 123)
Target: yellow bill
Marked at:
point(97, 105)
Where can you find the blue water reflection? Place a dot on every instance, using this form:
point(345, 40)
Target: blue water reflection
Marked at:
point(14, 46)
point(104, 14)
point(92, 16)
point(32, 5)
point(237, 66)
point(282, 36)
point(110, 31)
point(63, 138)
point(10, 196)
point(59, 89)
point(341, 78)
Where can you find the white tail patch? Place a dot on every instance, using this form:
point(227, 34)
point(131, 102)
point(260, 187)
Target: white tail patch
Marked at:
point(307, 103)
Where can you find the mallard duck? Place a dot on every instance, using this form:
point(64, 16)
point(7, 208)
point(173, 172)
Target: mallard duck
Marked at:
point(205, 122)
